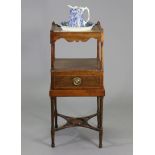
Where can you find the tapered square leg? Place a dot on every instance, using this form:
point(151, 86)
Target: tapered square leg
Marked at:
point(100, 138)
point(56, 116)
point(52, 122)
point(98, 111)
point(101, 122)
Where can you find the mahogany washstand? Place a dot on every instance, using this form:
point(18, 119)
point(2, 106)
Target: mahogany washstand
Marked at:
point(77, 77)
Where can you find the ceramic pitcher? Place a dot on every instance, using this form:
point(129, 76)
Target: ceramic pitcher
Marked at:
point(76, 16)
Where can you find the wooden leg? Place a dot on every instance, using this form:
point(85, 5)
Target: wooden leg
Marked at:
point(98, 111)
point(101, 122)
point(52, 122)
point(98, 49)
point(56, 116)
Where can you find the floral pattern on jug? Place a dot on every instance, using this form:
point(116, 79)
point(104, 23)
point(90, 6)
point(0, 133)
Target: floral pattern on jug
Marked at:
point(76, 18)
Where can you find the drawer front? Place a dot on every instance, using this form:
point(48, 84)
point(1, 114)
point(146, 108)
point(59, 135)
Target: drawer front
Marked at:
point(77, 81)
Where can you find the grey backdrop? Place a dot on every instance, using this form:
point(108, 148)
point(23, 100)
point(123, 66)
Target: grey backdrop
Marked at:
point(116, 18)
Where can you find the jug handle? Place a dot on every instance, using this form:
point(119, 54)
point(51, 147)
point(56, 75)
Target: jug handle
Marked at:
point(88, 15)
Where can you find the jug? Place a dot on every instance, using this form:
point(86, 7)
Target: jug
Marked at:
point(76, 16)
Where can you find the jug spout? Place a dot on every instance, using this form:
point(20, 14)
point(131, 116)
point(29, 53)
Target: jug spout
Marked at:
point(71, 6)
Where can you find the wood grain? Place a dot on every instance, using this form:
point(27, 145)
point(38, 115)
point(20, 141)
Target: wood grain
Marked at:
point(77, 64)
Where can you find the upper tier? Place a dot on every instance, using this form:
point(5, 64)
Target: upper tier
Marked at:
point(57, 33)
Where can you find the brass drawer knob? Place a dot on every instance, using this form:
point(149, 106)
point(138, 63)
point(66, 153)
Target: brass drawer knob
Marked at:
point(77, 81)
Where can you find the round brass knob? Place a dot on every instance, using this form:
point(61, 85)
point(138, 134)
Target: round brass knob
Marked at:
point(77, 81)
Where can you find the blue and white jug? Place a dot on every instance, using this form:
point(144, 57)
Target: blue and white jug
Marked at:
point(76, 18)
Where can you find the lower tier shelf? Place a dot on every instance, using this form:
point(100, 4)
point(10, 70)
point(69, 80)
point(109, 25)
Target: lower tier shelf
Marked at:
point(77, 64)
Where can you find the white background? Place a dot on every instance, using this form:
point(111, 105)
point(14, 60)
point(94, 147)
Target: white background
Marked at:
point(10, 77)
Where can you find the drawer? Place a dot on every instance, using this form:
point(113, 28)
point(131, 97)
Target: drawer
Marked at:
point(77, 81)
